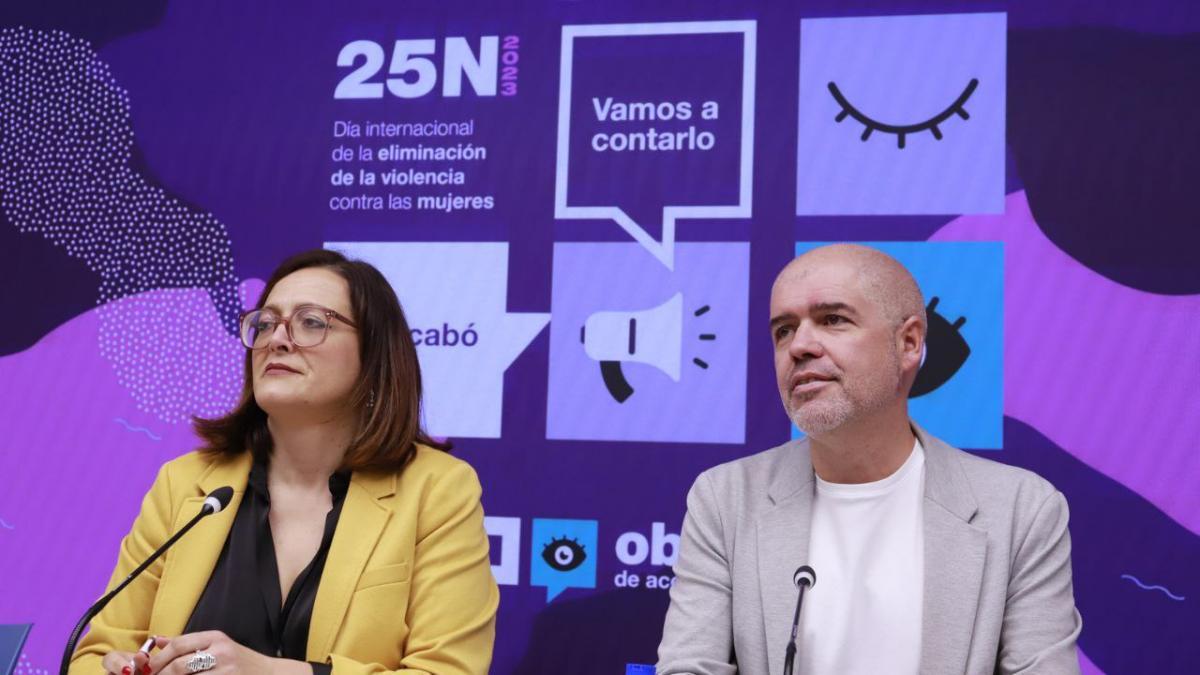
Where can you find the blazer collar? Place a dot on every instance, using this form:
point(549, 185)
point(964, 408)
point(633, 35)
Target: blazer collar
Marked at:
point(363, 520)
point(359, 527)
point(377, 485)
point(955, 553)
point(792, 473)
point(782, 542)
point(193, 558)
point(231, 471)
point(235, 472)
point(190, 563)
point(954, 549)
point(945, 482)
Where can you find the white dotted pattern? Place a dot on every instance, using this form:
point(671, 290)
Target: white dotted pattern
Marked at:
point(65, 146)
point(25, 667)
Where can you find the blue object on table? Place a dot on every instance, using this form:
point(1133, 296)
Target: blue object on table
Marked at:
point(12, 638)
point(638, 669)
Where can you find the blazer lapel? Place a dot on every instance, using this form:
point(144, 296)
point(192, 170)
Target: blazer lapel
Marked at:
point(955, 552)
point(189, 564)
point(783, 533)
point(358, 530)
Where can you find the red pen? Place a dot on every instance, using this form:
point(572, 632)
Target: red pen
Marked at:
point(145, 649)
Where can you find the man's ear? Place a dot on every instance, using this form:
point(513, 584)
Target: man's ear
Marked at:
point(910, 343)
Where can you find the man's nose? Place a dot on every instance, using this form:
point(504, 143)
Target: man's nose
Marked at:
point(806, 344)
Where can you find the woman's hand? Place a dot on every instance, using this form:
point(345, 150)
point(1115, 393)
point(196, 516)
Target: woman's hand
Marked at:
point(124, 663)
point(232, 658)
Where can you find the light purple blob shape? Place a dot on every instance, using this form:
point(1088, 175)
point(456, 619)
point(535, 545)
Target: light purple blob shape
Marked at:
point(1109, 373)
point(1086, 667)
point(172, 343)
point(249, 292)
point(74, 476)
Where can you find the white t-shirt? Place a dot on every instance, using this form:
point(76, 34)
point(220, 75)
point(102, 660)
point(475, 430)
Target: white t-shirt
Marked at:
point(867, 548)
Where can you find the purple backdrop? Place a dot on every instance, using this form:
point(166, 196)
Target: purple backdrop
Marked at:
point(157, 161)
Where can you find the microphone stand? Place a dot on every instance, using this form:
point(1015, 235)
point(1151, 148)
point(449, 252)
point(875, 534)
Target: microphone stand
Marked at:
point(100, 604)
point(804, 577)
point(790, 654)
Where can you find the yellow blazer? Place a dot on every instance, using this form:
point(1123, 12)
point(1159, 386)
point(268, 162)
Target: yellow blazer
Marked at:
point(407, 586)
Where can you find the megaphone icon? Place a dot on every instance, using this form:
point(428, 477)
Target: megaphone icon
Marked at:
point(653, 336)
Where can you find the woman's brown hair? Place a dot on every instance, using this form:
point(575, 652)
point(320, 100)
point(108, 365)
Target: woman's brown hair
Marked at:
point(387, 395)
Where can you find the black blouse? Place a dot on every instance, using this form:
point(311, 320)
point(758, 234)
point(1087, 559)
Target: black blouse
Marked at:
point(242, 598)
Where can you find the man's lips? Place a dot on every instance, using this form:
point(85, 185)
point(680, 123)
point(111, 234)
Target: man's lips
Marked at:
point(279, 367)
point(805, 382)
point(808, 376)
point(809, 387)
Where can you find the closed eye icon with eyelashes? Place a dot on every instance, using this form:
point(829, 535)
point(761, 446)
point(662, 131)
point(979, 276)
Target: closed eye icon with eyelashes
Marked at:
point(901, 130)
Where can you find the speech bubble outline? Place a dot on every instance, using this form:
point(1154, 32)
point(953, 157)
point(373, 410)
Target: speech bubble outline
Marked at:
point(460, 284)
point(664, 252)
point(583, 532)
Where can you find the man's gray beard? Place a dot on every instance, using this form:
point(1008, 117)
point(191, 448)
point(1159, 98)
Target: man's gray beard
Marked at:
point(820, 417)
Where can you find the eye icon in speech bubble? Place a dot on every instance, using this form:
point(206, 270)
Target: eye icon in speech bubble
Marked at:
point(656, 124)
point(563, 555)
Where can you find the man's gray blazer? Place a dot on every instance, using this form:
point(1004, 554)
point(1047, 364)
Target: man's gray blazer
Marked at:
point(997, 597)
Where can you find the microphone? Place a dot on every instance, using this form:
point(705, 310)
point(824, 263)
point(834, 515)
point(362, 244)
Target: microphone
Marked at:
point(804, 577)
point(215, 502)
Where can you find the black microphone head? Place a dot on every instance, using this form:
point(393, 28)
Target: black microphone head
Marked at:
point(217, 500)
point(805, 576)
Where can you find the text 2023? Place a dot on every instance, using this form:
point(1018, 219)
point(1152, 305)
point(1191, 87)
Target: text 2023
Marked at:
point(510, 56)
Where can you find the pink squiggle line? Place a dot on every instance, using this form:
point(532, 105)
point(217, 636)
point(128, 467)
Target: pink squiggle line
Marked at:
point(1106, 372)
point(6, 526)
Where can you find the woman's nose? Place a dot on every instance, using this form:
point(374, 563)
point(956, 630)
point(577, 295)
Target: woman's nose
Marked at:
point(280, 339)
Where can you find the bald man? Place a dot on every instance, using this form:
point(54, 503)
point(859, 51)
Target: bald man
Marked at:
point(929, 560)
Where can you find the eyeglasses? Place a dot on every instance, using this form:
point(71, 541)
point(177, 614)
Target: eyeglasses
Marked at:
point(307, 327)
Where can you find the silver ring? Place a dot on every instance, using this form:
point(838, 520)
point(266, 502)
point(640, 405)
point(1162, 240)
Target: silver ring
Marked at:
point(200, 661)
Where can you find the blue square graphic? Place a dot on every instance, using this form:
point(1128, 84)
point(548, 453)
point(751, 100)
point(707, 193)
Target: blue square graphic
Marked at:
point(902, 115)
point(12, 638)
point(563, 555)
point(959, 393)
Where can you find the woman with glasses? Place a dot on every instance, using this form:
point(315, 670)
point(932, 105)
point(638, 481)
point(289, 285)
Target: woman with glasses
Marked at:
point(354, 543)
